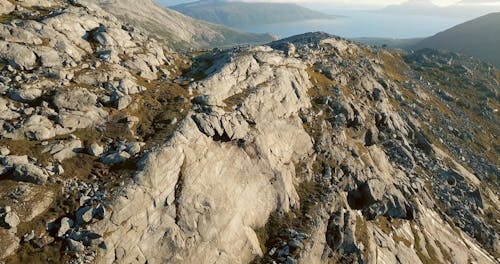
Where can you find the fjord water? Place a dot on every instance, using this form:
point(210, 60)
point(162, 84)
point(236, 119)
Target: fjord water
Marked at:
point(355, 23)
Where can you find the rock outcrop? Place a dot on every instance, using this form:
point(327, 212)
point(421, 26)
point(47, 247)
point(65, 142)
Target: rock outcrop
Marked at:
point(209, 209)
point(374, 205)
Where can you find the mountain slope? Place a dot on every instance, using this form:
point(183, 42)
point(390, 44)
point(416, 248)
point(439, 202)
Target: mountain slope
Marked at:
point(178, 29)
point(241, 13)
point(479, 37)
point(388, 42)
point(312, 149)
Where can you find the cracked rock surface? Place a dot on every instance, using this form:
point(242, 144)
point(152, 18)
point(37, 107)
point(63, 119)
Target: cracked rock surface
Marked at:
point(311, 149)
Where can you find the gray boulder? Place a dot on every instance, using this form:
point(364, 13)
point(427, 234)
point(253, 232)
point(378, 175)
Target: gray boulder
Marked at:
point(38, 127)
point(19, 56)
point(116, 157)
point(123, 102)
point(84, 215)
point(18, 35)
point(48, 57)
point(11, 161)
point(4, 151)
point(64, 149)
point(6, 113)
point(30, 173)
point(6, 7)
point(25, 93)
point(75, 99)
point(95, 150)
point(75, 246)
point(9, 218)
point(127, 86)
point(230, 126)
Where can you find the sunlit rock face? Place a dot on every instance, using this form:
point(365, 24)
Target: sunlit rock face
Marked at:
point(312, 149)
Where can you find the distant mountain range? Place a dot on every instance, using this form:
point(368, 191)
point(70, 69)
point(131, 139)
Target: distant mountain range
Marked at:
point(244, 13)
point(176, 29)
point(413, 6)
point(479, 37)
point(464, 9)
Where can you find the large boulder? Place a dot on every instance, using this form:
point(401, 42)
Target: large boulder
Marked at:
point(226, 127)
point(48, 57)
point(9, 243)
point(78, 109)
point(30, 173)
point(6, 7)
point(6, 113)
point(64, 149)
point(17, 55)
point(38, 127)
point(78, 99)
point(18, 35)
point(25, 93)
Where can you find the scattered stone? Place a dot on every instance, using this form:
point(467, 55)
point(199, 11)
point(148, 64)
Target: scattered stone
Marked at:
point(96, 150)
point(115, 158)
point(66, 225)
point(75, 246)
point(59, 170)
point(9, 219)
point(4, 151)
point(123, 102)
point(99, 212)
point(249, 132)
point(84, 215)
point(64, 149)
point(29, 236)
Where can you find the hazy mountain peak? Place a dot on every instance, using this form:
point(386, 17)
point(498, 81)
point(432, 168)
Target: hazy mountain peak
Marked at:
point(412, 6)
point(237, 13)
point(479, 37)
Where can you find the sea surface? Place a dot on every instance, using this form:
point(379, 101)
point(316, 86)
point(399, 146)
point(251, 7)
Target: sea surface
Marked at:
point(355, 24)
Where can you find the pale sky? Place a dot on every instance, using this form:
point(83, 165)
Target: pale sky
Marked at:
point(378, 2)
point(357, 2)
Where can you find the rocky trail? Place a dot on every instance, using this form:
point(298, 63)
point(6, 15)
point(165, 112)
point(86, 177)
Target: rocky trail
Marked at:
point(313, 149)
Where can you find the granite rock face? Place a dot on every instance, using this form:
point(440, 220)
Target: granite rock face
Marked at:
point(64, 67)
point(374, 206)
point(209, 209)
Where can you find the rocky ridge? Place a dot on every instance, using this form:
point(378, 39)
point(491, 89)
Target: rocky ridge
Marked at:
point(72, 74)
point(308, 150)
